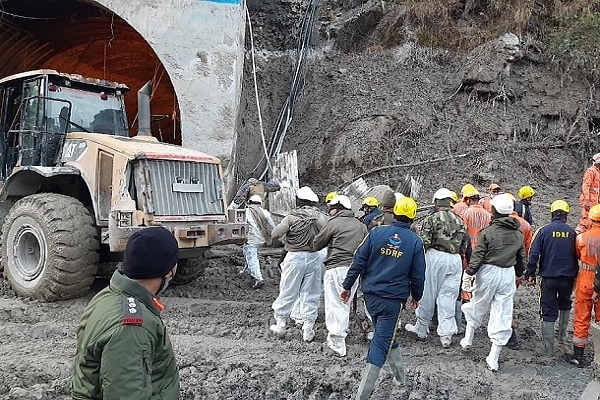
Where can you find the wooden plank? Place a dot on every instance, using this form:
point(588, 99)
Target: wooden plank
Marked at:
point(284, 168)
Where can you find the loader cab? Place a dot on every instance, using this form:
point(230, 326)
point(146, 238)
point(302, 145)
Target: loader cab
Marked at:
point(39, 108)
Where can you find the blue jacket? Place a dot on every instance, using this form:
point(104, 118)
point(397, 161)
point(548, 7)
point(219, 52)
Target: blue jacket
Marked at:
point(391, 261)
point(553, 248)
point(524, 211)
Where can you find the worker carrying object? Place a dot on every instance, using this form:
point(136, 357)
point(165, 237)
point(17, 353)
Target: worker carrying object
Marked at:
point(391, 263)
point(255, 187)
point(590, 193)
point(496, 260)
point(553, 258)
point(260, 226)
point(588, 252)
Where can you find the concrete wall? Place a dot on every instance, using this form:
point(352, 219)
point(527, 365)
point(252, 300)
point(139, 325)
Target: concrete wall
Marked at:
point(201, 44)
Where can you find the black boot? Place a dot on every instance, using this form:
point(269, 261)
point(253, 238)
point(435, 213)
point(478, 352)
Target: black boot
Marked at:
point(577, 357)
point(513, 342)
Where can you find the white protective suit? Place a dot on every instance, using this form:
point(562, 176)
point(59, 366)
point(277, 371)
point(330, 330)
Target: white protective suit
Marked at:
point(493, 291)
point(254, 239)
point(442, 283)
point(301, 281)
point(337, 314)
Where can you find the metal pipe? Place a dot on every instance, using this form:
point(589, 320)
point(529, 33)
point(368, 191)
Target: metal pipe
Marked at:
point(144, 93)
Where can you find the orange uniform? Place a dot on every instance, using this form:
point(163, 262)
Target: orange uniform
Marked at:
point(476, 218)
point(459, 207)
point(587, 247)
point(590, 195)
point(485, 203)
point(526, 230)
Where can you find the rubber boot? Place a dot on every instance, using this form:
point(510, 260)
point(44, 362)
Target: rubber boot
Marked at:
point(419, 329)
point(577, 357)
point(458, 317)
point(308, 331)
point(367, 382)
point(492, 358)
point(279, 327)
point(397, 366)
point(513, 341)
point(467, 341)
point(563, 324)
point(548, 337)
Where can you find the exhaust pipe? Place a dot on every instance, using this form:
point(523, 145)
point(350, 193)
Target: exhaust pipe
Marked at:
point(144, 110)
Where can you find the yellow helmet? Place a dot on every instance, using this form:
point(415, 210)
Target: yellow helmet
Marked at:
point(330, 197)
point(454, 196)
point(470, 192)
point(370, 201)
point(594, 214)
point(468, 188)
point(406, 206)
point(526, 192)
point(559, 205)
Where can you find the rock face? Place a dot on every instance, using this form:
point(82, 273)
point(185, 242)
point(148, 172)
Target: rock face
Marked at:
point(503, 112)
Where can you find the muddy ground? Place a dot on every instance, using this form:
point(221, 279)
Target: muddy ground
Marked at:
point(219, 326)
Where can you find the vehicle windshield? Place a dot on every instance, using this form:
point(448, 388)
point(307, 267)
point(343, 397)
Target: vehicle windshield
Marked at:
point(90, 111)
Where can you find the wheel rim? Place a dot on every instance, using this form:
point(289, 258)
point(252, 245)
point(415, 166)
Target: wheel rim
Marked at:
point(29, 253)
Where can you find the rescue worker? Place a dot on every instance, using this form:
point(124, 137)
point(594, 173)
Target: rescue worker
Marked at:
point(523, 208)
point(260, 225)
point(255, 187)
point(123, 349)
point(496, 260)
point(587, 247)
point(553, 258)
point(462, 205)
point(590, 193)
point(370, 209)
point(302, 268)
point(391, 263)
point(493, 190)
point(341, 235)
point(445, 239)
point(475, 216)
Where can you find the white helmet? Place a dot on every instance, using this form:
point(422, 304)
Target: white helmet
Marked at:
point(342, 200)
point(255, 198)
point(441, 194)
point(503, 204)
point(306, 193)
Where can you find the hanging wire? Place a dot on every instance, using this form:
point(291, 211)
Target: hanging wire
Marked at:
point(260, 120)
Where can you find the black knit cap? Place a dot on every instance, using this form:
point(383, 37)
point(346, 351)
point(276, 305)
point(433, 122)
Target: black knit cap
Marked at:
point(150, 253)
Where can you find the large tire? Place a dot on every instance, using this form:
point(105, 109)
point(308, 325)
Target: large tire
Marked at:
point(189, 269)
point(49, 247)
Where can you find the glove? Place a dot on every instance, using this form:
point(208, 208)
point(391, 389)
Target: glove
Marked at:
point(467, 283)
point(519, 281)
point(285, 184)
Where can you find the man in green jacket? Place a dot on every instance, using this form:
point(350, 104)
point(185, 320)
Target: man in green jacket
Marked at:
point(123, 350)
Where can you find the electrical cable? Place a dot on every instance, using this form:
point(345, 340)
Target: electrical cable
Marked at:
point(260, 121)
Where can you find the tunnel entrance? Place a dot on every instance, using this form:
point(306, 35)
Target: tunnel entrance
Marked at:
point(83, 37)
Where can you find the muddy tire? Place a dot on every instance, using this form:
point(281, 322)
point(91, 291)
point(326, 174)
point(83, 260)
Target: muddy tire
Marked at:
point(189, 269)
point(49, 247)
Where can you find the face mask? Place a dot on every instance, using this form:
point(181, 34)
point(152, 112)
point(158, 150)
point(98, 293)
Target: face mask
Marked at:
point(164, 284)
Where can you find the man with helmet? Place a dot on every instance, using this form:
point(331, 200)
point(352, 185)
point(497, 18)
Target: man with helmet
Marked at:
point(391, 263)
point(475, 216)
point(587, 248)
point(462, 205)
point(498, 257)
point(341, 235)
point(590, 193)
point(523, 208)
point(302, 267)
point(445, 240)
point(260, 225)
point(330, 196)
point(553, 258)
point(493, 190)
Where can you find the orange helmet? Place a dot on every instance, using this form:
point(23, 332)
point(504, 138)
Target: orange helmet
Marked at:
point(594, 213)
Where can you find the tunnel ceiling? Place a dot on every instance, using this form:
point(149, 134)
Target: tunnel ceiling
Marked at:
point(84, 38)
